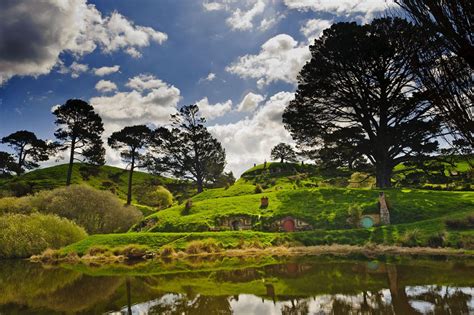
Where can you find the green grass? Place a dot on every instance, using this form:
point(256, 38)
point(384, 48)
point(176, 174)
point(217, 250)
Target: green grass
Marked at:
point(106, 178)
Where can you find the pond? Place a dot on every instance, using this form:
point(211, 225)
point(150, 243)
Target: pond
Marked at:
point(268, 285)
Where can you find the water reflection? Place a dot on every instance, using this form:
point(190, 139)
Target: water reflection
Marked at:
point(302, 286)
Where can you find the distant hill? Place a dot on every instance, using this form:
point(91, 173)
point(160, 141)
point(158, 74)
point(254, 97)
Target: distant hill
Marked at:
point(103, 177)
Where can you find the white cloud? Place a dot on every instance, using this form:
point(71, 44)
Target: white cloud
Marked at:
point(250, 102)
point(148, 103)
point(103, 71)
point(280, 59)
point(51, 27)
point(210, 77)
point(243, 19)
point(213, 6)
point(269, 22)
point(75, 69)
point(105, 86)
point(212, 111)
point(250, 140)
point(314, 28)
point(340, 7)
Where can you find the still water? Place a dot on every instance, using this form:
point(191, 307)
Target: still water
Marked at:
point(305, 285)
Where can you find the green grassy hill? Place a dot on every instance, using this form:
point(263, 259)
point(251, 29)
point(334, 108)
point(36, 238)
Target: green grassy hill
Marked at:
point(104, 178)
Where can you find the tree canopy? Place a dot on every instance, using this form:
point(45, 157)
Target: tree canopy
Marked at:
point(130, 141)
point(283, 152)
point(7, 164)
point(360, 84)
point(187, 150)
point(80, 130)
point(29, 150)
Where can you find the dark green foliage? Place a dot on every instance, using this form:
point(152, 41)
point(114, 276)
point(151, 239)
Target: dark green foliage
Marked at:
point(446, 70)
point(130, 141)
point(7, 164)
point(80, 130)
point(24, 235)
point(356, 93)
point(188, 150)
point(29, 150)
point(283, 152)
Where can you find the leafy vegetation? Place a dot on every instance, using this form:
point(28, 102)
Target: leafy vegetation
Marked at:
point(25, 235)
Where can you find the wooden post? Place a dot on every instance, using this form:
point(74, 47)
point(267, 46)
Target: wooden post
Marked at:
point(384, 213)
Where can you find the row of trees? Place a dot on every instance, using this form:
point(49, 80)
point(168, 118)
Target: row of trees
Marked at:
point(185, 150)
point(384, 93)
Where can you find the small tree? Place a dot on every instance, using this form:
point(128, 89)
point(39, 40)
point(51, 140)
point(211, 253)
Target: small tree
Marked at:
point(80, 130)
point(7, 164)
point(29, 150)
point(130, 141)
point(284, 152)
point(188, 150)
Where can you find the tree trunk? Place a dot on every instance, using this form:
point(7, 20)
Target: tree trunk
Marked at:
point(200, 186)
point(130, 177)
point(281, 160)
point(383, 175)
point(71, 162)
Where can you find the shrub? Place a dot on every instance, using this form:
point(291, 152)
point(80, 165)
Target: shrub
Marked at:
point(258, 189)
point(97, 211)
point(187, 207)
point(354, 213)
point(411, 238)
point(158, 197)
point(133, 251)
point(465, 223)
point(26, 235)
point(167, 251)
point(438, 240)
point(361, 180)
point(15, 205)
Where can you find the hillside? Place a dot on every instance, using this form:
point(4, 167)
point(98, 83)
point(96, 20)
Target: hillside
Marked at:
point(104, 177)
point(297, 196)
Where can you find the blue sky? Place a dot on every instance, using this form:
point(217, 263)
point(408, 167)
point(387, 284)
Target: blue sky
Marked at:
point(137, 61)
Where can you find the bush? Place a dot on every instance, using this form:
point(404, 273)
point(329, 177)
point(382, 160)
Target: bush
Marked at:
point(160, 197)
point(26, 235)
point(466, 223)
point(205, 246)
point(15, 205)
point(133, 251)
point(97, 211)
point(258, 189)
point(167, 251)
point(438, 240)
point(411, 238)
point(361, 180)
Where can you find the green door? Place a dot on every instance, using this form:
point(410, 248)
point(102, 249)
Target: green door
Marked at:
point(367, 222)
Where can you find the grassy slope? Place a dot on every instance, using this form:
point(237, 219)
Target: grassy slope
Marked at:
point(55, 176)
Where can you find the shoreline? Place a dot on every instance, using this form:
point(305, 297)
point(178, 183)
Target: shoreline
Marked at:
point(371, 251)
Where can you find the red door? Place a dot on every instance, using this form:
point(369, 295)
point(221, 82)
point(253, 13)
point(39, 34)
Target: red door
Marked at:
point(289, 225)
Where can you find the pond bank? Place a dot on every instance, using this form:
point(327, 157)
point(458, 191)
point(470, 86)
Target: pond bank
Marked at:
point(103, 256)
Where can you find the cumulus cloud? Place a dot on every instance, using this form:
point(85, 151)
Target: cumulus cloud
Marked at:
point(243, 19)
point(105, 86)
point(280, 59)
point(212, 111)
point(250, 140)
point(103, 71)
point(250, 102)
point(314, 28)
point(35, 33)
point(151, 101)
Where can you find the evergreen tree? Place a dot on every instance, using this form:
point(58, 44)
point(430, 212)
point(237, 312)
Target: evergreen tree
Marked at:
point(7, 164)
point(360, 80)
point(130, 141)
point(29, 150)
point(188, 150)
point(80, 130)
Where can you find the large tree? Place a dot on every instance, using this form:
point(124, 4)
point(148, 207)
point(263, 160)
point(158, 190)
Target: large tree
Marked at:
point(131, 141)
point(283, 152)
point(80, 130)
point(446, 69)
point(187, 150)
point(360, 77)
point(29, 150)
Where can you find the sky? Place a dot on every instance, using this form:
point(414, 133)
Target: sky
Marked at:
point(138, 61)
